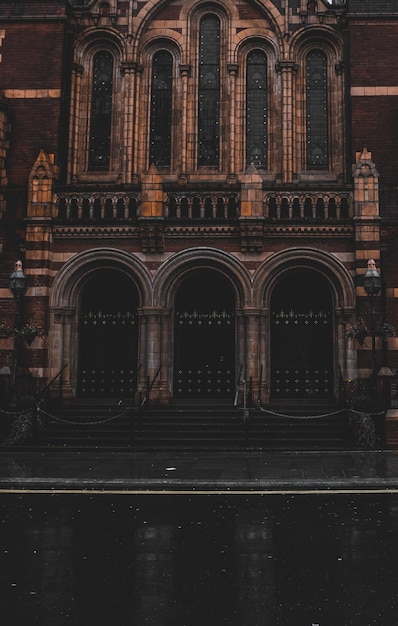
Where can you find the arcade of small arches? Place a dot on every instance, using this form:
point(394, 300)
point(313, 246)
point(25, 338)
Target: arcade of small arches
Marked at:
point(200, 323)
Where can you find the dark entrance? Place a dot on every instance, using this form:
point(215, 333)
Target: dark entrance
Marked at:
point(204, 337)
point(302, 337)
point(108, 337)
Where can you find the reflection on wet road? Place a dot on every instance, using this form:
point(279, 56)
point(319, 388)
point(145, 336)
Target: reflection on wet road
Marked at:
point(137, 560)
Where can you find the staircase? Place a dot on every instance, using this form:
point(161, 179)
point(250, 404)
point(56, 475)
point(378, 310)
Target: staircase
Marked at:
point(194, 427)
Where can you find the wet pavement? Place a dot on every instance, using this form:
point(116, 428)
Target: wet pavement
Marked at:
point(91, 538)
point(197, 472)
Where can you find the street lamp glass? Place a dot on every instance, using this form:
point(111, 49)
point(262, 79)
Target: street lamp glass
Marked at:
point(372, 282)
point(18, 283)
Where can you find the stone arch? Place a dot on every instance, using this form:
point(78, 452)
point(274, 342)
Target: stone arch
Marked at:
point(157, 39)
point(95, 37)
point(167, 281)
point(65, 298)
point(339, 278)
point(173, 271)
point(69, 280)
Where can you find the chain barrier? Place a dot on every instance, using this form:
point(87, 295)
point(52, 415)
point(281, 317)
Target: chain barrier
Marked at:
point(366, 413)
point(25, 423)
point(80, 422)
point(16, 413)
point(302, 417)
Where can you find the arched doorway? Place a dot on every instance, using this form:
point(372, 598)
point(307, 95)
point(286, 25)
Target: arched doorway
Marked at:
point(108, 336)
point(204, 337)
point(302, 337)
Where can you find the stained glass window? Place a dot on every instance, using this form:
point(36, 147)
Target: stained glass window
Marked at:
point(101, 111)
point(161, 108)
point(256, 109)
point(209, 91)
point(317, 111)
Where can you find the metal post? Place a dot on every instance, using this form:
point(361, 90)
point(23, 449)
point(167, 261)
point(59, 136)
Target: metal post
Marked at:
point(246, 413)
point(372, 286)
point(18, 287)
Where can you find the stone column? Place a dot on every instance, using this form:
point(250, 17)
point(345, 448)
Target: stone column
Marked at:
point(185, 73)
point(233, 70)
point(129, 73)
point(151, 355)
point(77, 72)
point(166, 356)
point(287, 69)
point(64, 347)
point(252, 350)
point(137, 160)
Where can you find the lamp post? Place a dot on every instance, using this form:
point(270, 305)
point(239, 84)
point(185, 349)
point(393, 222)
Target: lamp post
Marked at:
point(18, 286)
point(372, 286)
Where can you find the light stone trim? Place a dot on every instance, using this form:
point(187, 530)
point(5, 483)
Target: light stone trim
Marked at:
point(387, 90)
point(31, 93)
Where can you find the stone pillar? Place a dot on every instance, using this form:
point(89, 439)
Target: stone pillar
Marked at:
point(287, 70)
point(64, 346)
point(241, 349)
point(185, 73)
point(150, 352)
point(166, 356)
point(74, 140)
point(252, 350)
point(138, 164)
point(152, 194)
point(129, 73)
point(233, 70)
point(264, 356)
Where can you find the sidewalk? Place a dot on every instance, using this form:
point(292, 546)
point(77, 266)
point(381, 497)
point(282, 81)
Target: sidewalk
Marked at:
point(254, 472)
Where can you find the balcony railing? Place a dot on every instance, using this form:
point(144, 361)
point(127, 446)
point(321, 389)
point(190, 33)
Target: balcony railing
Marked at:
point(214, 206)
point(310, 206)
point(81, 207)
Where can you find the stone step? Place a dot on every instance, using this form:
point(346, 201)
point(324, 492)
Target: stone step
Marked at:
point(190, 427)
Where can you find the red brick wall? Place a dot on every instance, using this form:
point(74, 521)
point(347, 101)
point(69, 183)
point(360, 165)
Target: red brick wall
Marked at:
point(32, 57)
point(373, 53)
point(373, 50)
point(375, 126)
point(34, 126)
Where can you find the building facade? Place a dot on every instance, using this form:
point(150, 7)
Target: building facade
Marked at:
point(195, 189)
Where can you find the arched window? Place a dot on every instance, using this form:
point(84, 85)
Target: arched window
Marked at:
point(209, 91)
point(101, 111)
point(256, 109)
point(161, 108)
point(317, 111)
